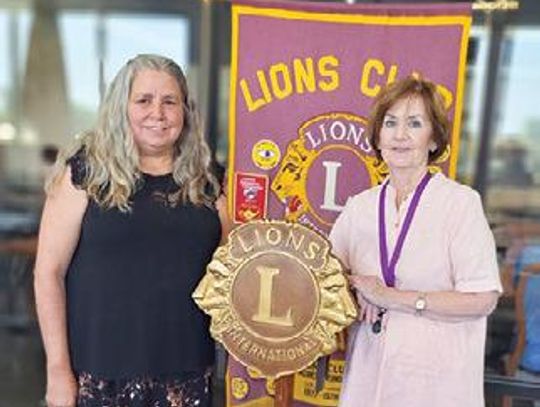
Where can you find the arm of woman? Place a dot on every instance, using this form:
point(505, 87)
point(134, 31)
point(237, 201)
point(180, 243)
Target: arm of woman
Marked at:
point(58, 237)
point(450, 306)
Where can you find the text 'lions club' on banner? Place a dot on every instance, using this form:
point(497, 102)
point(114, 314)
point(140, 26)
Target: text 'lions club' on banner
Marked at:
point(303, 80)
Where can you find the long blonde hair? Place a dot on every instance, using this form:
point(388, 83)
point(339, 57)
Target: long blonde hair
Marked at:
point(110, 154)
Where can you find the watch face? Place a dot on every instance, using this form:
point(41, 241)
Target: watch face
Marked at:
point(420, 304)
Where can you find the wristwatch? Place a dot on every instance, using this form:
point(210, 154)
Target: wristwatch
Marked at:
point(420, 304)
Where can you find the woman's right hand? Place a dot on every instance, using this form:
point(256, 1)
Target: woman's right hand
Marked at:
point(62, 388)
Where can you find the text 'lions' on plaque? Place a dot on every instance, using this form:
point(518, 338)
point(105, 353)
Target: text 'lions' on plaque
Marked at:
point(276, 296)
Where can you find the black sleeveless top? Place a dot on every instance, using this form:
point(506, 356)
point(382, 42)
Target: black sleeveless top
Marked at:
point(129, 285)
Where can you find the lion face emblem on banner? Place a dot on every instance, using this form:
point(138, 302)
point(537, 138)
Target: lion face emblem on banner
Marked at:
point(328, 147)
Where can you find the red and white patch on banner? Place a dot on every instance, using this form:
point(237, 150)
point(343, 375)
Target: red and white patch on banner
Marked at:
point(250, 196)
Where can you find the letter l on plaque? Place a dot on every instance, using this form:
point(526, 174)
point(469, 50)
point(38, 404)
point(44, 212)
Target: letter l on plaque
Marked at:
point(264, 312)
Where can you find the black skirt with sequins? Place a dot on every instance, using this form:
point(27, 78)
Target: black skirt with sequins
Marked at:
point(144, 392)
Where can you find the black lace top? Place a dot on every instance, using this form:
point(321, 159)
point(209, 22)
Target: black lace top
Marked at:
point(129, 285)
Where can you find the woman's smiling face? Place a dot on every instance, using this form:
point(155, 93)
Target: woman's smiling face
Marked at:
point(406, 138)
point(155, 111)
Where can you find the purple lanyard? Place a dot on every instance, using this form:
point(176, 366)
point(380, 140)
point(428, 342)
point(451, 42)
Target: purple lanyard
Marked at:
point(389, 269)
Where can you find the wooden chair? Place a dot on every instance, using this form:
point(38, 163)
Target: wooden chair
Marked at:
point(512, 362)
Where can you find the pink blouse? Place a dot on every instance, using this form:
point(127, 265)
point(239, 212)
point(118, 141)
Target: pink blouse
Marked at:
point(416, 361)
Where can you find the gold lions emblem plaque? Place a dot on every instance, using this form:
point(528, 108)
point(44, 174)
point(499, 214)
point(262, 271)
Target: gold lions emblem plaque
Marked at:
point(277, 297)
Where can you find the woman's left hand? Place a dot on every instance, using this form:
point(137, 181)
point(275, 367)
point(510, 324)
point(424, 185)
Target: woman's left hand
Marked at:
point(371, 288)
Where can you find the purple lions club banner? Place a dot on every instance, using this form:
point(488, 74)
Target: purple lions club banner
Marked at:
point(303, 79)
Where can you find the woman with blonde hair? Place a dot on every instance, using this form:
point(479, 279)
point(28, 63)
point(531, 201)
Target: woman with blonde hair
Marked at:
point(132, 217)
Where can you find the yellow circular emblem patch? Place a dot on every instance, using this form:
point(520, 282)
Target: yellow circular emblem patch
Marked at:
point(240, 388)
point(265, 154)
point(271, 386)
